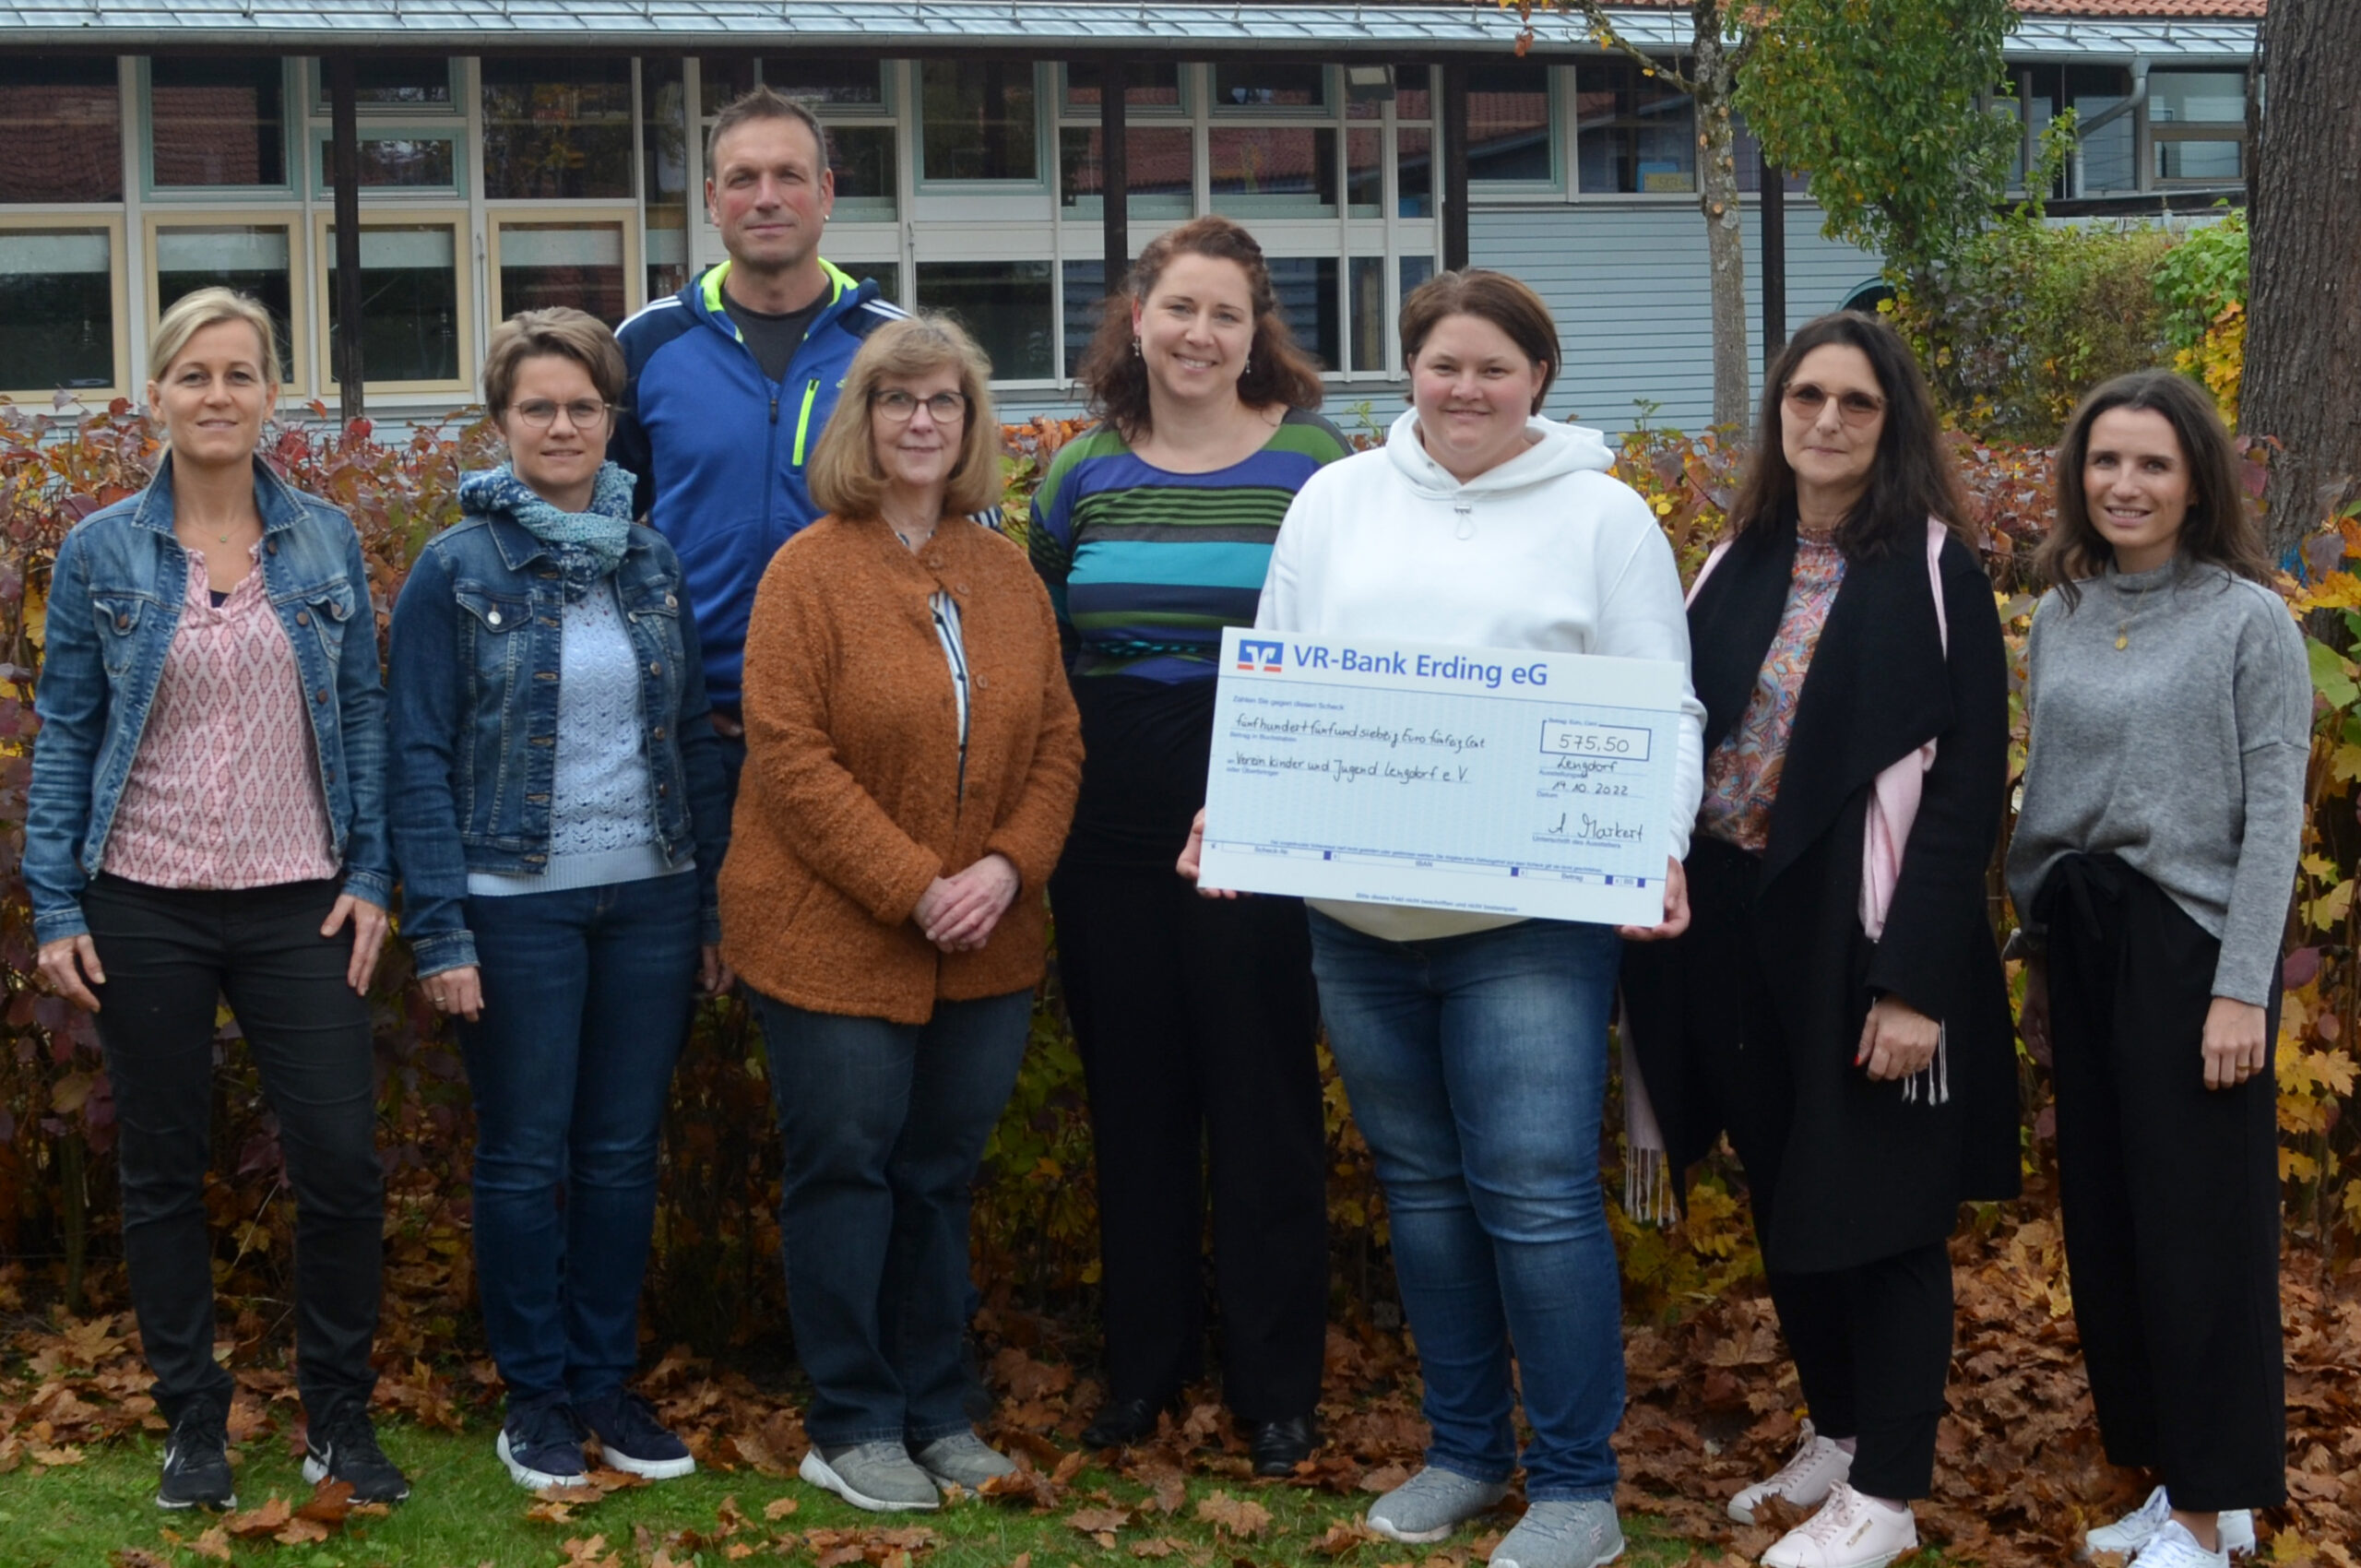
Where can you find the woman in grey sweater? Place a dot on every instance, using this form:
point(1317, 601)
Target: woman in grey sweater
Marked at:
point(2154, 857)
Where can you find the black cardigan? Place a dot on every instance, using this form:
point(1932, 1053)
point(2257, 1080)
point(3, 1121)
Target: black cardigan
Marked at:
point(1867, 1173)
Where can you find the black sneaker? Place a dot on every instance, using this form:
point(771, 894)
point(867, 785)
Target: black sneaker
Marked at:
point(632, 1439)
point(541, 1445)
point(197, 1458)
point(344, 1448)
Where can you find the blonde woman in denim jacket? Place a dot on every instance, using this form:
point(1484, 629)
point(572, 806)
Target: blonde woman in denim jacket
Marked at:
point(207, 821)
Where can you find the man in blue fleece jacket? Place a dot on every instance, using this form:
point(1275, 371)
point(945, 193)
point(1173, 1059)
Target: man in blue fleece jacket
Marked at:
point(732, 378)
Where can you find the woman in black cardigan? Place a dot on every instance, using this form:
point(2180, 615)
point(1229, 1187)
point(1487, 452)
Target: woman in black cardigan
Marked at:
point(1857, 1049)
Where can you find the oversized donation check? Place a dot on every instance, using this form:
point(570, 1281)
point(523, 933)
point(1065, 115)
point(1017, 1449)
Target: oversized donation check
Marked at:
point(1512, 783)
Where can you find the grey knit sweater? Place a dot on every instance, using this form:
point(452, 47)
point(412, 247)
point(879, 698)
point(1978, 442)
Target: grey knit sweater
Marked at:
point(2182, 751)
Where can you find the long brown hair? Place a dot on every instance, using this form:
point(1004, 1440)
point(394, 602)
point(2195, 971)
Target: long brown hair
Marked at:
point(1276, 370)
point(2219, 529)
point(1913, 478)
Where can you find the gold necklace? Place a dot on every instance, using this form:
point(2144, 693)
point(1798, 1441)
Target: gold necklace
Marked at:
point(2123, 627)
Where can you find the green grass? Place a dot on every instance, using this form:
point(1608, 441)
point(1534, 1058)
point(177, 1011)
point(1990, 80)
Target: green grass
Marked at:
point(464, 1512)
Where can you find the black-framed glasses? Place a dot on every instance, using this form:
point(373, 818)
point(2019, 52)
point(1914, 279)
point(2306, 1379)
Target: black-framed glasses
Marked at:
point(1806, 398)
point(582, 413)
point(895, 404)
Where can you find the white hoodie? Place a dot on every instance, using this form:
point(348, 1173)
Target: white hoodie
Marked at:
point(1546, 550)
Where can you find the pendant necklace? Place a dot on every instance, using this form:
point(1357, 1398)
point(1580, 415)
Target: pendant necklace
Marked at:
point(2123, 627)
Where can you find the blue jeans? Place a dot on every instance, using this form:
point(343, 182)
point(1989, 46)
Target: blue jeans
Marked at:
point(1477, 1066)
point(586, 1001)
point(884, 1124)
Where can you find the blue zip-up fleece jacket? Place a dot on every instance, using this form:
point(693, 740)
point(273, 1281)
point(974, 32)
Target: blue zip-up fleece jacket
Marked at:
point(697, 410)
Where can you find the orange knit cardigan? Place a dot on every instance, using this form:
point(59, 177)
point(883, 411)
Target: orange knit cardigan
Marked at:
point(851, 802)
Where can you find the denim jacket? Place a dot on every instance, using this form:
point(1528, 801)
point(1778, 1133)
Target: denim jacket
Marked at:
point(473, 673)
point(115, 602)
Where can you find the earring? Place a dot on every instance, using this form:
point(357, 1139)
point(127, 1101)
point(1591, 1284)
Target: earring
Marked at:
point(1135, 349)
point(1248, 368)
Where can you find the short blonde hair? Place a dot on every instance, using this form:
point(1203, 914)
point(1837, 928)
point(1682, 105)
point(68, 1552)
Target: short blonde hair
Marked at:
point(560, 330)
point(195, 311)
point(843, 476)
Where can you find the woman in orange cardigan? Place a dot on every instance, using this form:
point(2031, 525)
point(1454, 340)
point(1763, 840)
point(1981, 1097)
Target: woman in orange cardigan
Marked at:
point(912, 755)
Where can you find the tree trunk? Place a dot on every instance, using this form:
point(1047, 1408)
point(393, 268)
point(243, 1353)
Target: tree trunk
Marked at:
point(1713, 78)
point(2302, 382)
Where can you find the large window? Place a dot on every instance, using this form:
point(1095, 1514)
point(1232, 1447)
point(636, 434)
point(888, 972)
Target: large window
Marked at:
point(1633, 131)
point(58, 308)
point(393, 160)
point(666, 201)
point(413, 305)
point(981, 121)
point(395, 83)
point(2106, 147)
point(1158, 172)
point(253, 256)
point(1308, 299)
point(1508, 123)
point(1272, 171)
point(1005, 306)
point(556, 129)
point(218, 122)
point(2197, 122)
point(61, 129)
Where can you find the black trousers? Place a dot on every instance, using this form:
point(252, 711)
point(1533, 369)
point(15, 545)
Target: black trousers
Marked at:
point(171, 955)
point(2170, 1193)
point(1195, 1019)
point(1872, 1344)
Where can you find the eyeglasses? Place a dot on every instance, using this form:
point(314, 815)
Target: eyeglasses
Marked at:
point(899, 406)
point(582, 413)
point(1806, 398)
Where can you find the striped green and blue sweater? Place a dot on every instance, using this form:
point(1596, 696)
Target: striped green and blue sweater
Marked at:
point(1146, 567)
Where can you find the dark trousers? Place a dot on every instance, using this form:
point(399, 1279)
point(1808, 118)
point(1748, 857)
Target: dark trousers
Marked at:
point(1195, 1019)
point(586, 1001)
point(171, 956)
point(1872, 1344)
point(2170, 1193)
point(884, 1124)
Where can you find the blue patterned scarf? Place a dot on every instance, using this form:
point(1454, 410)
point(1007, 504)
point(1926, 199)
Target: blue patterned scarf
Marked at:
point(588, 545)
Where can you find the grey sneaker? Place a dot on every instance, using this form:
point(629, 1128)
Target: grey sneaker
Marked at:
point(1562, 1535)
point(1431, 1505)
point(875, 1475)
point(963, 1459)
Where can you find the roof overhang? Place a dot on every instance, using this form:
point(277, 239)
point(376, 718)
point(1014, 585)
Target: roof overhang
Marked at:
point(1047, 28)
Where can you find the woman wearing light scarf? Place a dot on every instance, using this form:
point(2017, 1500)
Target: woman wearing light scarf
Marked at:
point(558, 824)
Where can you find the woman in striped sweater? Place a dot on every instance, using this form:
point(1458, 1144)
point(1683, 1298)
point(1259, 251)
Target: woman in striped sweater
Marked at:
point(1195, 1018)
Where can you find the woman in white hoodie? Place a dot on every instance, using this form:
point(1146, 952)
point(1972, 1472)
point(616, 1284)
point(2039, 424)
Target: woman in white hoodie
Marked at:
point(1473, 1047)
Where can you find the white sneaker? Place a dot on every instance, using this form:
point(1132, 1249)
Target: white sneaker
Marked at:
point(1803, 1480)
point(1849, 1531)
point(2133, 1531)
point(2173, 1547)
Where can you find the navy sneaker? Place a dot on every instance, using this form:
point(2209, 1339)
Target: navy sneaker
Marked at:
point(632, 1439)
point(197, 1458)
point(344, 1448)
point(541, 1445)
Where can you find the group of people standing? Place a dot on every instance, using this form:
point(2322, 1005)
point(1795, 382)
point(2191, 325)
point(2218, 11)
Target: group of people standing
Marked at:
point(729, 674)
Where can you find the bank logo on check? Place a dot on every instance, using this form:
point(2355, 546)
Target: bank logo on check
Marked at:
point(1267, 656)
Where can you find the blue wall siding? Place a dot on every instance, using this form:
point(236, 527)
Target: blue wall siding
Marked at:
point(1631, 295)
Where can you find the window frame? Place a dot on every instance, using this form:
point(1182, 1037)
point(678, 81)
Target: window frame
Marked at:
point(1045, 122)
point(22, 219)
point(625, 216)
point(1330, 110)
point(1069, 112)
point(318, 107)
point(322, 137)
point(294, 121)
point(1574, 131)
point(153, 222)
point(1559, 187)
point(460, 223)
point(2166, 132)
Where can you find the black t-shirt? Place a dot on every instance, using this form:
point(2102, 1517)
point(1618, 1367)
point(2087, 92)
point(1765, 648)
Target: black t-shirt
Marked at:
point(774, 339)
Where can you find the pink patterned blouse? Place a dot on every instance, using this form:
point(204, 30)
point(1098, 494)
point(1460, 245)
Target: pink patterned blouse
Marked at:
point(1742, 776)
point(224, 790)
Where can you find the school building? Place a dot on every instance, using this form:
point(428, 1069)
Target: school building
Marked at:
point(516, 153)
